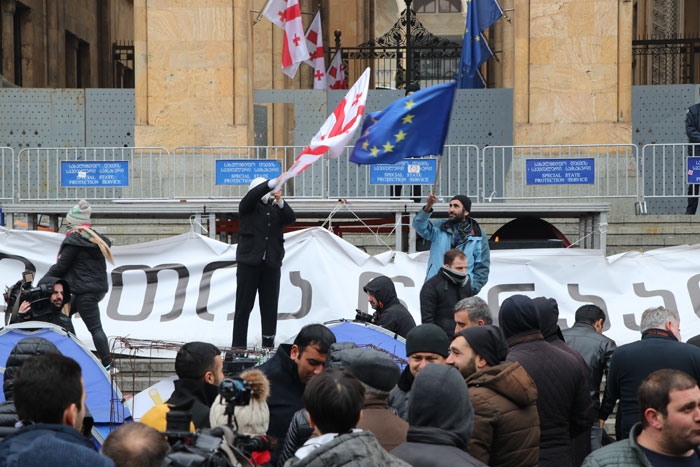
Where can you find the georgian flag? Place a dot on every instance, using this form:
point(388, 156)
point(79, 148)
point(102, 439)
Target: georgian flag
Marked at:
point(294, 50)
point(336, 132)
point(275, 11)
point(314, 43)
point(336, 73)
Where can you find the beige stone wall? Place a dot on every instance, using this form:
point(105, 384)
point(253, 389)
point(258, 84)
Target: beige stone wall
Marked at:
point(193, 85)
point(572, 71)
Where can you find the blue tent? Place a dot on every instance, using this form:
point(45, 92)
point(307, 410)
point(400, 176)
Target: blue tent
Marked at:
point(370, 335)
point(104, 400)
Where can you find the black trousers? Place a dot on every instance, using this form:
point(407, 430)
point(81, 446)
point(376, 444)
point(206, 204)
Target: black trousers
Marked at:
point(693, 189)
point(87, 305)
point(251, 280)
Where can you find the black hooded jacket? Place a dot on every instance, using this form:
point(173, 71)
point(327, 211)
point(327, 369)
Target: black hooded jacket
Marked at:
point(438, 431)
point(391, 315)
point(24, 349)
point(261, 234)
point(82, 264)
point(563, 403)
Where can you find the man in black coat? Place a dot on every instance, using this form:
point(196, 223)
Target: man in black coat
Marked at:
point(660, 348)
point(259, 258)
point(200, 370)
point(389, 311)
point(24, 349)
point(441, 292)
point(563, 402)
point(692, 130)
point(48, 309)
point(288, 371)
point(586, 337)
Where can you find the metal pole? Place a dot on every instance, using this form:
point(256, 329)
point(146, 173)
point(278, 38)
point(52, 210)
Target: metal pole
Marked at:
point(409, 60)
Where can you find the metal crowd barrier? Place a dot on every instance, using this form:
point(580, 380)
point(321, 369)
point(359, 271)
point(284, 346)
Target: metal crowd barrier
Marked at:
point(41, 175)
point(7, 174)
point(607, 171)
point(666, 169)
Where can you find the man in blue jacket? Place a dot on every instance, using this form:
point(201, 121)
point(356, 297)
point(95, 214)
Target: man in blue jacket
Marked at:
point(460, 231)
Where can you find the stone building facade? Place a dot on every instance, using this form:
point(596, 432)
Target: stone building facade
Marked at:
point(62, 43)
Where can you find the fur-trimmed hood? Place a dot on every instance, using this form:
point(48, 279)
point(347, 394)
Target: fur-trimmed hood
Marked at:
point(259, 385)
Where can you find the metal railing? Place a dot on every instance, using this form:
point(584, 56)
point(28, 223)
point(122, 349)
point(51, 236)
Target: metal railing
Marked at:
point(665, 169)
point(7, 174)
point(611, 171)
point(40, 173)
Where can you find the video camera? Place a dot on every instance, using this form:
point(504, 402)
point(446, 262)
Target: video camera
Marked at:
point(218, 447)
point(22, 291)
point(364, 317)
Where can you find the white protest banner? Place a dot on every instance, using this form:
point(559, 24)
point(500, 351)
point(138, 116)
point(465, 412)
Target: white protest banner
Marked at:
point(183, 288)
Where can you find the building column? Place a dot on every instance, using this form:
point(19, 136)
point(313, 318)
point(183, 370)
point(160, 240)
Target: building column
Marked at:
point(71, 61)
point(7, 10)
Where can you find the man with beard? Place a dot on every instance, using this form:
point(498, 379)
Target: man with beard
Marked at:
point(49, 309)
point(389, 312)
point(506, 424)
point(669, 431)
point(458, 231)
point(441, 292)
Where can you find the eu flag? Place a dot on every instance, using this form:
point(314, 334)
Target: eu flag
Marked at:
point(413, 126)
point(475, 50)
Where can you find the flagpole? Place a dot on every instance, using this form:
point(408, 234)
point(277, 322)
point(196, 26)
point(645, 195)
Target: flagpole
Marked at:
point(437, 174)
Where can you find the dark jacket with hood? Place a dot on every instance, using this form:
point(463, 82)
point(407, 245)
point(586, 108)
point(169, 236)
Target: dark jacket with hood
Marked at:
point(549, 317)
point(596, 350)
point(286, 394)
point(46, 445)
point(82, 264)
point(357, 449)
point(391, 315)
point(24, 349)
point(633, 362)
point(563, 402)
point(440, 419)
point(261, 234)
point(506, 423)
point(438, 297)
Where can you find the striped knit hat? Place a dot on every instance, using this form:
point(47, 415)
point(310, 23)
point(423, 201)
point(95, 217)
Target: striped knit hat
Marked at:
point(79, 214)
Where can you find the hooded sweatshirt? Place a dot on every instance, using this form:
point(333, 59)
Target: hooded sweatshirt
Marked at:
point(506, 423)
point(563, 402)
point(391, 314)
point(441, 420)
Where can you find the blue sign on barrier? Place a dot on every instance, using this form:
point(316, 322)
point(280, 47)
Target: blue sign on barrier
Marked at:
point(560, 171)
point(94, 174)
point(694, 170)
point(411, 171)
point(242, 172)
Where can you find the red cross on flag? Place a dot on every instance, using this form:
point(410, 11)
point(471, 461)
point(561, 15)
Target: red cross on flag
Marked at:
point(336, 73)
point(314, 42)
point(294, 50)
point(336, 132)
point(274, 11)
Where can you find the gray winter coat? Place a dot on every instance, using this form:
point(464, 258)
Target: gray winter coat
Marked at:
point(625, 453)
point(398, 397)
point(358, 449)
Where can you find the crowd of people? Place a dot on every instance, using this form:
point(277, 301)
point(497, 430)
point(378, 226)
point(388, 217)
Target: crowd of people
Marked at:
point(520, 393)
point(477, 388)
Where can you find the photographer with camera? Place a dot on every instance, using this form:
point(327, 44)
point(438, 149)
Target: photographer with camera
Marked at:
point(200, 370)
point(81, 262)
point(55, 297)
point(389, 312)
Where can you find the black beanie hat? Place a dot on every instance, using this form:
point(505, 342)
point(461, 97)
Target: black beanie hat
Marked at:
point(427, 338)
point(466, 202)
point(488, 342)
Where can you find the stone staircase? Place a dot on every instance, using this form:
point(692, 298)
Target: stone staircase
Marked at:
point(137, 374)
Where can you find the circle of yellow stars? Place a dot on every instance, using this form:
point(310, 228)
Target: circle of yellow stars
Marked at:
point(388, 147)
